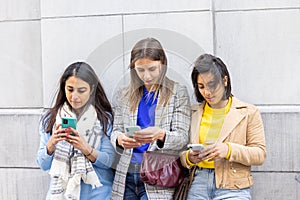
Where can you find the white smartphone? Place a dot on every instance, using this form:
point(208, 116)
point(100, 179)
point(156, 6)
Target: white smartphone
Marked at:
point(129, 130)
point(195, 147)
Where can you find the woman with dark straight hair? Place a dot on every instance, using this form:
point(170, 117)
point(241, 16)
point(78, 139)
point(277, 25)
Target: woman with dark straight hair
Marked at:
point(230, 131)
point(78, 155)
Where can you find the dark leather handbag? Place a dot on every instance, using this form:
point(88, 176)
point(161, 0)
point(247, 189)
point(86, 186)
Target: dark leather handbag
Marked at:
point(161, 169)
point(181, 192)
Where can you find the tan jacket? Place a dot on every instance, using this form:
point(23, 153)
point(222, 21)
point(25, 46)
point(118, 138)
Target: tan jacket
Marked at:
point(243, 129)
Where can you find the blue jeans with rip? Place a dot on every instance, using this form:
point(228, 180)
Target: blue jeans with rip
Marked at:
point(204, 188)
point(134, 188)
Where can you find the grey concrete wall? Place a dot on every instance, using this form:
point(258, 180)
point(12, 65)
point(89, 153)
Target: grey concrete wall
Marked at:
point(258, 40)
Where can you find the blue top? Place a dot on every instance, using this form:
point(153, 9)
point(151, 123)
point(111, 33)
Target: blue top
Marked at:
point(106, 155)
point(145, 118)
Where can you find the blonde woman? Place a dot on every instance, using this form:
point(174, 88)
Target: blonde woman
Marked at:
point(160, 107)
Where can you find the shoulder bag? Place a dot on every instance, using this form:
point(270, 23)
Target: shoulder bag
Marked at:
point(161, 169)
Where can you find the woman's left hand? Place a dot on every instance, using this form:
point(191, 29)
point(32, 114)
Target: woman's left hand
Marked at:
point(214, 151)
point(149, 134)
point(77, 141)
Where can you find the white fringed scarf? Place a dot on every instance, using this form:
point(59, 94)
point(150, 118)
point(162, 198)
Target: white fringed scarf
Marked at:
point(69, 165)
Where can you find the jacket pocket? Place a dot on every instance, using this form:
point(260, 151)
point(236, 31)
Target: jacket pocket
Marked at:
point(240, 175)
point(237, 170)
point(240, 183)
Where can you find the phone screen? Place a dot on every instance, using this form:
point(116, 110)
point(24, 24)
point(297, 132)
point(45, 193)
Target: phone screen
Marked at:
point(131, 129)
point(195, 147)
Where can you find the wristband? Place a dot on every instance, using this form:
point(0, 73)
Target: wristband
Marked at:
point(90, 153)
point(187, 159)
point(229, 151)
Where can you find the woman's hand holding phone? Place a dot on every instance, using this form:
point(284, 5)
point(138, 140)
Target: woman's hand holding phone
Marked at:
point(195, 147)
point(57, 136)
point(149, 134)
point(214, 151)
point(67, 131)
point(130, 130)
point(74, 138)
point(127, 142)
point(194, 153)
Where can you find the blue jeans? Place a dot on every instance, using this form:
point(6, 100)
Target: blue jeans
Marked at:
point(134, 188)
point(204, 188)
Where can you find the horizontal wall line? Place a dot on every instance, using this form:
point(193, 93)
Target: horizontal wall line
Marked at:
point(21, 111)
point(256, 9)
point(126, 14)
point(262, 109)
point(171, 12)
point(19, 168)
point(147, 13)
point(20, 20)
point(279, 108)
point(277, 172)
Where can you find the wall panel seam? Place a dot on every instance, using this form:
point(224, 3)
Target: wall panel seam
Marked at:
point(127, 14)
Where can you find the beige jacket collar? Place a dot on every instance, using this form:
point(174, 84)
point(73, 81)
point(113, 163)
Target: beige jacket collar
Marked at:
point(233, 118)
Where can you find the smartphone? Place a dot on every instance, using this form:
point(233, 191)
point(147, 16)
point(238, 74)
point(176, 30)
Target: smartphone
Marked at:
point(195, 147)
point(67, 122)
point(129, 130)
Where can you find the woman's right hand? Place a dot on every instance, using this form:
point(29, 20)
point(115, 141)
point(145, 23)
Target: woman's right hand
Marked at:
point(194, 156)
point(58, 135)
point(127, 142)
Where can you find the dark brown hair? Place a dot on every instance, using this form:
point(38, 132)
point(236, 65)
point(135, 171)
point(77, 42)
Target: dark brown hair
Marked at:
point(97, 98)
point(212, 64)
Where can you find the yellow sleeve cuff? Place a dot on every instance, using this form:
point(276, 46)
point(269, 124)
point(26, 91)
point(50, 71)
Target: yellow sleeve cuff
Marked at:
point(187, 159)
point(229, 151)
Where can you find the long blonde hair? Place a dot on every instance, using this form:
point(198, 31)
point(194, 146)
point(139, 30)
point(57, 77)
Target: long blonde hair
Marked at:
point(149, 48)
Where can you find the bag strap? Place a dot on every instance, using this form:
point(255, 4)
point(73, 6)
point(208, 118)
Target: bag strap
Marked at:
point(192, 172)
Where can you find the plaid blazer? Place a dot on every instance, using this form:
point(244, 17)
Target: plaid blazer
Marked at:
point(174, 118)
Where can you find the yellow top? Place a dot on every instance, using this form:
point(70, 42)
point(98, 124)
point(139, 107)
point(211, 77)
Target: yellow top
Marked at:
point(210, 127)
